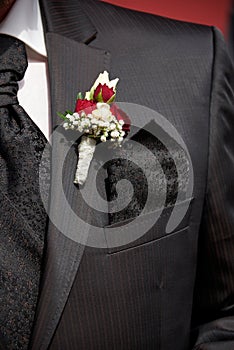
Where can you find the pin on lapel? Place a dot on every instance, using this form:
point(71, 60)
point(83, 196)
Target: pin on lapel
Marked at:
point(98, 119)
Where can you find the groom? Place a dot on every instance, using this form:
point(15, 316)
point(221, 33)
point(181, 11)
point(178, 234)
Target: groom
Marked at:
point(166, 289)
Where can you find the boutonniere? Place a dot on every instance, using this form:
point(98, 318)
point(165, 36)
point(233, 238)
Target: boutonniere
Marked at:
point(99, 119)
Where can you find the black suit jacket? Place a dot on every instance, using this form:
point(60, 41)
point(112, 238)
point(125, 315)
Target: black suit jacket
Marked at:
point(151, 293)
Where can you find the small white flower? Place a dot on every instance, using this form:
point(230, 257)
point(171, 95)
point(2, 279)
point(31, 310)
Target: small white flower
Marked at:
point(94, 121)
point(122, 133)
point(103, 138)
point(85, 123)
point(71, 118)
point(112, 126)
point(102, 124)
point(121, 122)
point(119, 127)
point(120, 139)
point(115, 134)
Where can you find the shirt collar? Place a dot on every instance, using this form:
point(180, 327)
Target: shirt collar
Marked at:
point(24, 22)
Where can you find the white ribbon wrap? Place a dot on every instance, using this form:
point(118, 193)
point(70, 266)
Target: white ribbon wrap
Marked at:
point(86, 150)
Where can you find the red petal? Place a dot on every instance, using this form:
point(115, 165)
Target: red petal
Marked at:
point(86, 105)
point(107, 93)
point(96, 91)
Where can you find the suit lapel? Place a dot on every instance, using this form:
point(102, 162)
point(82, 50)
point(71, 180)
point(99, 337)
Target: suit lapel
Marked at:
point(67, 18)
point(73, 66)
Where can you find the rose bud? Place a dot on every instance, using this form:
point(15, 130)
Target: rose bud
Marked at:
point(103, 93)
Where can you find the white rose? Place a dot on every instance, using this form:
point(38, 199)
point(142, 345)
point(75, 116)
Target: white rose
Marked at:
point(97, 114)
point(103, 105)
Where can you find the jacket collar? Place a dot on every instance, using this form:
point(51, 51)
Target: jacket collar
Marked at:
point(63, 16)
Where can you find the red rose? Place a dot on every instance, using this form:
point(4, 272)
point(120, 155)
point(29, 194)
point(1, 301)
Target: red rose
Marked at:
point(121, 115)
point(85, 105)
point(105, 93)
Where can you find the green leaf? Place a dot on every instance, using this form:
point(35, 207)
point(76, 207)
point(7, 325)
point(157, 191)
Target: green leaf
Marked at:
point(111, 99)
point(79, 96)
point(62, 116)
point(99, 97)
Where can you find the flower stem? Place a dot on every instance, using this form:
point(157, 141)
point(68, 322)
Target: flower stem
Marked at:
point(86, 150)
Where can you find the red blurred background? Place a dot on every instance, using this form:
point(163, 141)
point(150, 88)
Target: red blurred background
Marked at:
point(211, 12)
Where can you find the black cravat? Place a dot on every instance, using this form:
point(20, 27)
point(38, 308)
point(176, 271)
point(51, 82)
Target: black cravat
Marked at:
point(22, 215)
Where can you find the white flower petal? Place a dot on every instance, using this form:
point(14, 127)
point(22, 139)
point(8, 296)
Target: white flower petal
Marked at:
point(103, 138)
point(115, 134)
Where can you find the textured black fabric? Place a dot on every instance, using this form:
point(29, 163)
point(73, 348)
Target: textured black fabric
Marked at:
point(22, 215)
point(164, 166)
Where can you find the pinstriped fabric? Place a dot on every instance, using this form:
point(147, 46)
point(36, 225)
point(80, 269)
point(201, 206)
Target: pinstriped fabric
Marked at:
point(108, 313)
point(215, 280)
point(138, 22)
point(114, 304)
point(141, 297)
point(131, 300)
point(69, 21)
point(62, 259)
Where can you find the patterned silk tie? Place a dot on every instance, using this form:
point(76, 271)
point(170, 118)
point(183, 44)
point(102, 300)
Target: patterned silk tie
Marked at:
point(22, 215)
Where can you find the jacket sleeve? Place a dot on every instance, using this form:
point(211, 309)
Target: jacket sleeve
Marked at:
point(213, 309)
